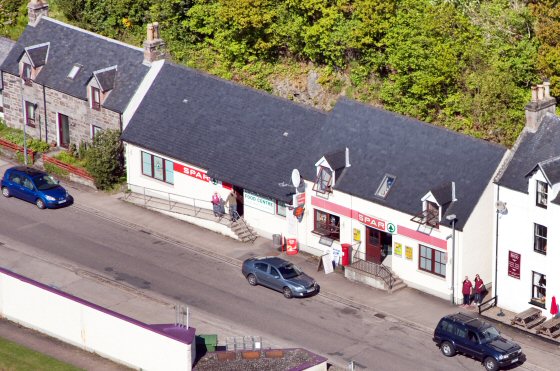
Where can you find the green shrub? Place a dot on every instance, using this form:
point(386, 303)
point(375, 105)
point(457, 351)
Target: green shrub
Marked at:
point(55, 170)
point(105, 159)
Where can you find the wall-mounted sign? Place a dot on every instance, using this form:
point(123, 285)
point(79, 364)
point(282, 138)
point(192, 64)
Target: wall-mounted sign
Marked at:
point(370, 221)
point(195, 173)
point(357, 234)
point(258, 202)
point(300, 199)
point(398, 249)
point(392, 228)
point(514, 265)
point(408, 252)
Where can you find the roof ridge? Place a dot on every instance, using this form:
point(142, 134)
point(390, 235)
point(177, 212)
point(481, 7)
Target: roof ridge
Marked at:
point(75, 28)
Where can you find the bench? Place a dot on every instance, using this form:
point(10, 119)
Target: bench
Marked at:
point(550, 328)
point(529, 318)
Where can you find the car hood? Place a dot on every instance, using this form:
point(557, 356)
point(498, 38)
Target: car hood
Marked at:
point(57, 192)
point(303, 280)
point(503, 345)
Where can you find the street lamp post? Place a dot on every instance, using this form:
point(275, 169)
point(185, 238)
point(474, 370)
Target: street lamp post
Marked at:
point(452, 218)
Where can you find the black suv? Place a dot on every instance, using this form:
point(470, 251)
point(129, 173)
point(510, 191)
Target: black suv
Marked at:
point(476, 338)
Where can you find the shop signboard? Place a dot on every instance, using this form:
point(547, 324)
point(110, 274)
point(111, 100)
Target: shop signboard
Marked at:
point(376, 223)
point(398, 249)
point(195, 173)
point(514, 265)
point(408, 252)
point(265, 204)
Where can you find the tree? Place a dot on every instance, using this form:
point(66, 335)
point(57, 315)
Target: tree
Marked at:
point(105, 159)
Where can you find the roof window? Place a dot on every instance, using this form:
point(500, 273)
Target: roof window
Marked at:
point(385, 186)
point(324, 180)
point(74, 71)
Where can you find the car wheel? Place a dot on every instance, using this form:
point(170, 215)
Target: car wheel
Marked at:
point(40, 204)
point(287, 293)
point(447, 349)
point(252, 279)
point(490, 364)
point(6, 192)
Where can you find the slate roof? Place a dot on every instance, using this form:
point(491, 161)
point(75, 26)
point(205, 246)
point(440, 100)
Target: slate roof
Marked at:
point(337, 159)
point(240, 135)
point(5, 47)
point(532, 149)
point(70, 45)
point(106, 78)
point(421, 156)
point(38, 54)
point(551, 169)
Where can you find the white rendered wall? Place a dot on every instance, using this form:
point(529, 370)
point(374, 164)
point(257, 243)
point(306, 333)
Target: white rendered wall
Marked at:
point(102, 332)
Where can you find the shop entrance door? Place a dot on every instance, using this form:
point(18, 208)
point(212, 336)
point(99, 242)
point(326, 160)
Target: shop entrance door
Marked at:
point(239, 194)
point(373, 245)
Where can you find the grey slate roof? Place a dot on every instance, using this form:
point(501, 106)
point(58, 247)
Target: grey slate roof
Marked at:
point(242, 136)
point(336, 159)
point(106, 79)
point(421, 156)
point(5, 47)
point(38, 54)
point(70, 45)
point(532, 149)
point(551, 169)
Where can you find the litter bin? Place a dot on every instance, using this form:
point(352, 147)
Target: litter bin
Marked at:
point(208, 341)
point(277, 242)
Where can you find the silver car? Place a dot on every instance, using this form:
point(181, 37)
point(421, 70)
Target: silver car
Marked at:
point(280, 275)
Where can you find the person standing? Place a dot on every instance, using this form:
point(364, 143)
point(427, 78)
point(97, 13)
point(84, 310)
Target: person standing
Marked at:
point(478, 289)
point(232, 203)
point(216, 204)
point(467, 292)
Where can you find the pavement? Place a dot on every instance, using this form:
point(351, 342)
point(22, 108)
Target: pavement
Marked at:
point(408, 306)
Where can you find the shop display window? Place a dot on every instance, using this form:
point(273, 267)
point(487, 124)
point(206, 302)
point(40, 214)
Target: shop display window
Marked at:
point(327, 225)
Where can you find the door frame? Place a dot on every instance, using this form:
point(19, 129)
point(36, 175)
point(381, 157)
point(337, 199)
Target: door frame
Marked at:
point(60, 132)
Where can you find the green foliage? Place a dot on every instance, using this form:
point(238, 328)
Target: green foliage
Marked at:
point(17, 358)
point(70, 159)
point(55, 170)
point(16, 136)
point(13, 18)
point(105, 159)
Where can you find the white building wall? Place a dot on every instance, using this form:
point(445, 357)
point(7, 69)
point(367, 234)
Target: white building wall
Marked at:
point(516, 234)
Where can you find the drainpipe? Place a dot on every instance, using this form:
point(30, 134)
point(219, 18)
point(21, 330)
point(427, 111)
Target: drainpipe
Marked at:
point(24, 124)
point(496, 267)
point(45, 115)
point(452, 218)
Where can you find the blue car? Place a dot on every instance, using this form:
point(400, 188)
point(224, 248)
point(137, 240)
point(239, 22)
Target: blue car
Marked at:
point(34, 186)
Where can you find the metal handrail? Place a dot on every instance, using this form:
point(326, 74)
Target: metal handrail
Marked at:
point(378, 270)
point(492, 302)
point(247, 228)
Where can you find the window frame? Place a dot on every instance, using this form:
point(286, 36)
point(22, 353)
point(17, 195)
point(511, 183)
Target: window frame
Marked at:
point(385, 186)
point(538, 290)
point(152, 171)
point(541, 196)
point(434, 253)
point(30, 118)
point(95, 130)
point(323, 185)
point(27, 73)
point(95, 98)
point(431, 222)
point(322, 228)
point(279, 207)
point(539, 238)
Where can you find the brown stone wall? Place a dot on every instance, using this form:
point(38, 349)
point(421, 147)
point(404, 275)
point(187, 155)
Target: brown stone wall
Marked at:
point(80, 115)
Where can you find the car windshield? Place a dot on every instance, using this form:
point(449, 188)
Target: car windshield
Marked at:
point(44, 182)
point(489, 334)
point(289, 271)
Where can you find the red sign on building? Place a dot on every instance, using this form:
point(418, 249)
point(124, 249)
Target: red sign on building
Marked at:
point(198, 174)
point(369, 220)
point(514, 265)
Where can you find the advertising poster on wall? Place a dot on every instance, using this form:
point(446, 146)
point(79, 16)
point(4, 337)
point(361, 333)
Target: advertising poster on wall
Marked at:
point(398, 249)
point(514, 265)
point(408, 252)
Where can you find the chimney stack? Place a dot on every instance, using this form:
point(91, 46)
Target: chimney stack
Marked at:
point(541, 103)
point(153, 46)
point(36, 9)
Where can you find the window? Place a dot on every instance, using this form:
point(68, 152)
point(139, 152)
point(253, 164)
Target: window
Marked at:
point(432, 261)
point(26, 74)
point(30, 114)
point(274, 272)
point(323, 182)
point(539, 290)
point(540, 239)
point(95, 130)
point(542, 194)
point(157, 168)
point(263, 267)
point(74, 71)
point(385, 186)
point(281, 208)
point(432, 214)
point(95, 98)
point(327, 225)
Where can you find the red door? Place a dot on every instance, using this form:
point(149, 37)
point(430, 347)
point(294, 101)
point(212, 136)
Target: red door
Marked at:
point(373, 246)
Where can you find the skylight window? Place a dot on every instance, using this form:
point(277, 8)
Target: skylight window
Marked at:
point(385, 186)
point(74, 71)
point(323, 182)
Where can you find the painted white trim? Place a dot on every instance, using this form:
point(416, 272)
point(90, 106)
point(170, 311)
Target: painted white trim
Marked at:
point(141, 92)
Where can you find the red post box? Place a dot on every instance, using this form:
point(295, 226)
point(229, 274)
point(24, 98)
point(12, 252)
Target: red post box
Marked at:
point(291, 246)
point(346, 254)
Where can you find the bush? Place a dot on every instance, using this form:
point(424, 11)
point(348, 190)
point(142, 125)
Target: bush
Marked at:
point(16, 136)
point(105, 159)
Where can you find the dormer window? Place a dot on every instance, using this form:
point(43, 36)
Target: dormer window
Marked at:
point(542, 194)
point(26, 74)
point(74, 71)
point(324, 180)
point(385, 186)
point(432, 214)
point(95, 98)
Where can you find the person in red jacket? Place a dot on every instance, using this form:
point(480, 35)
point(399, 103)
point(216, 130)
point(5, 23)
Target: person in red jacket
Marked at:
point(478, 289)
point(467, 292)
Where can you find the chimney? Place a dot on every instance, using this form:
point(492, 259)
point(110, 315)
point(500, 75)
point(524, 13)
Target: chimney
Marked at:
point(36, 9)
point(541, 103)
point(153, 46)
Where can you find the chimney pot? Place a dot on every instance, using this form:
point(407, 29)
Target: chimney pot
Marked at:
point(540, 92)
point(546, 85)
point(534, 96)
point(153, 46)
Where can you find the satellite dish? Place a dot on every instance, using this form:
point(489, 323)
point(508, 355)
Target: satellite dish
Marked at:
point(501, 207)
point(296, 178)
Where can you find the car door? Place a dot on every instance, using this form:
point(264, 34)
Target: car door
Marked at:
point(461, 342)
point(14, 184)
point(28, 189)
point(276, 281)
point(261, 271)
point(474, 345)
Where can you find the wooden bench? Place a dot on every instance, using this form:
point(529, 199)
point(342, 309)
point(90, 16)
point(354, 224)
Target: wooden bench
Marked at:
point(529, 318)
point(550, 328)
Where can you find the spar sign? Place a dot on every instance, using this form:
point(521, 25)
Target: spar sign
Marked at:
point(376, 223)
point(195, 173)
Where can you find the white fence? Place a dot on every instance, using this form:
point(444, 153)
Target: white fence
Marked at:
point(94, 328)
